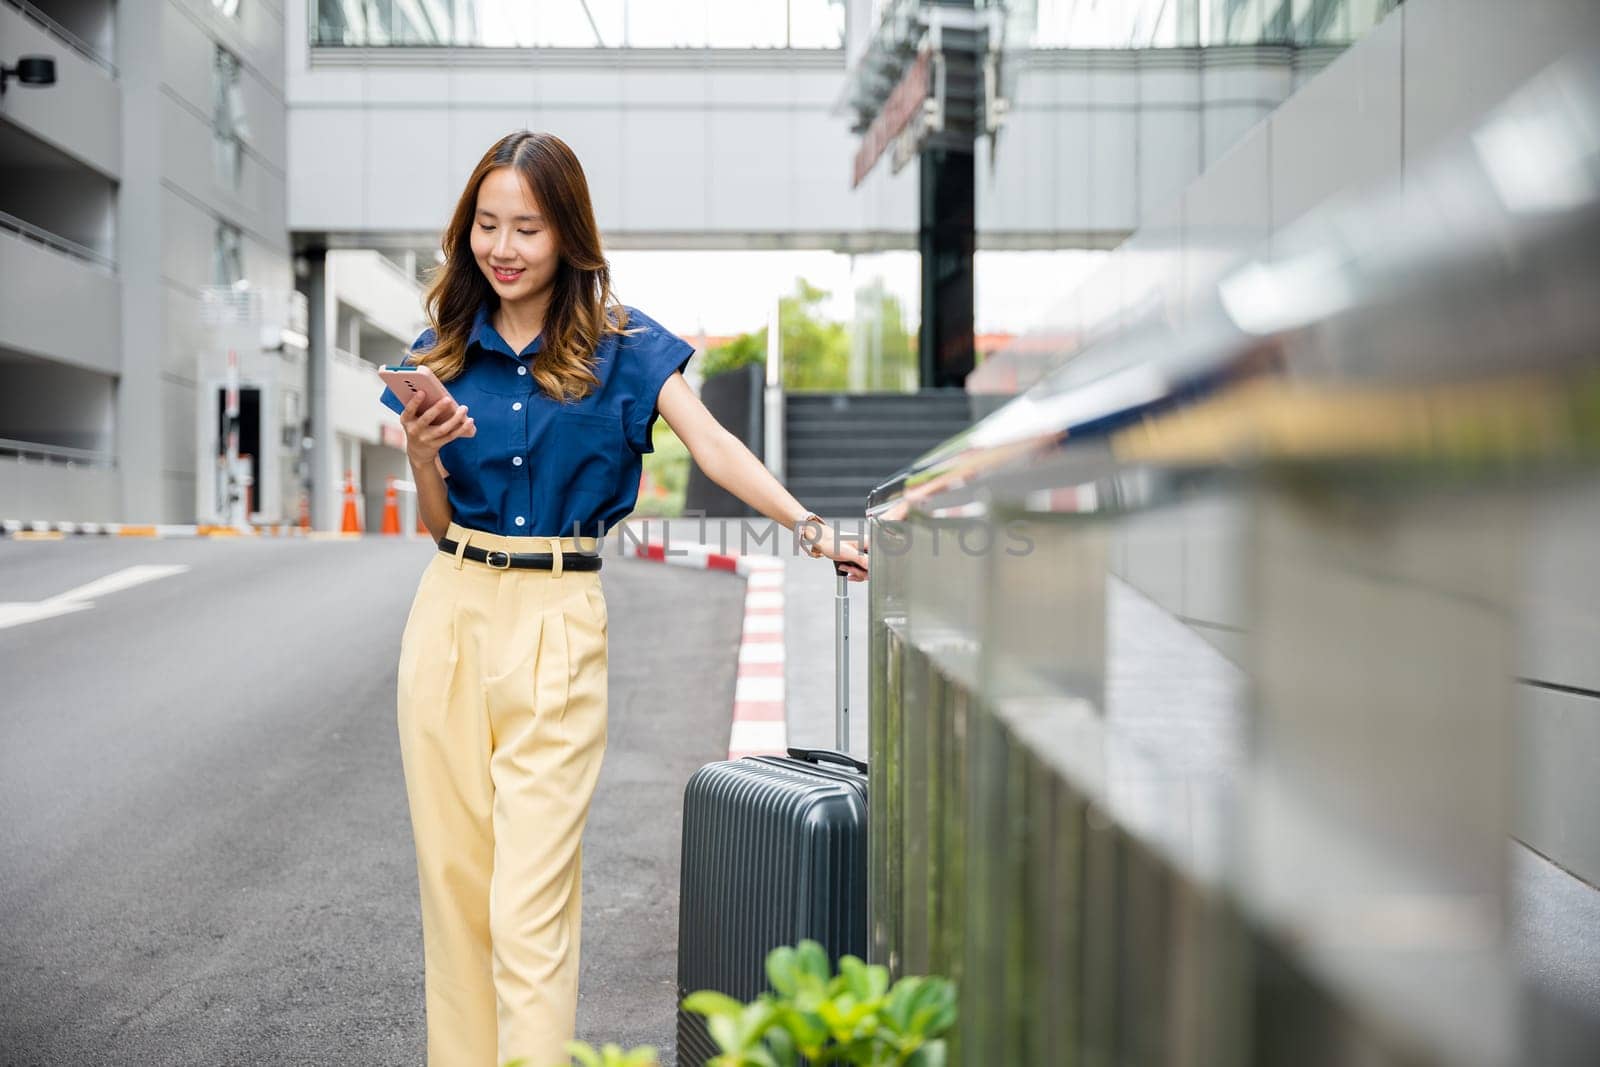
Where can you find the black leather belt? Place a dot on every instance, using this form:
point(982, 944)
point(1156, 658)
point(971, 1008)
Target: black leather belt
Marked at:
point(570, 561)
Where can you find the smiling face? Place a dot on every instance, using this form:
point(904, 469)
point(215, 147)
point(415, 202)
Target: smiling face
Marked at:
point(514, 246)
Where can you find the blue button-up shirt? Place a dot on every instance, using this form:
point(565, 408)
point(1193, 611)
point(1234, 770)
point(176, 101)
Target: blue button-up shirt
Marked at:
point(542, 467)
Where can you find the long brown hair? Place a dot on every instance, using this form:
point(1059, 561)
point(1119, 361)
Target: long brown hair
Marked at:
point(582, 310)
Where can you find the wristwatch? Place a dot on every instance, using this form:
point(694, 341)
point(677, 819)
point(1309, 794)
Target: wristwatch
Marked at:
point(810, 546)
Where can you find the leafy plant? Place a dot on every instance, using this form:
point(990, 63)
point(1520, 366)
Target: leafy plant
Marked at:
point(743, 350)
point(852, 1017)
point(611, 1055)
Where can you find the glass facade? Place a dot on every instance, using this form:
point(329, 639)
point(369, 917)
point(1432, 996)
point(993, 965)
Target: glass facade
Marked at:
point(578, 23)
point(1190, 23)
point(887, 313)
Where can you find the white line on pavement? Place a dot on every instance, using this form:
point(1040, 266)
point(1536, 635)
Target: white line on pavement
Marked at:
point(18, 613)
point(126, 578)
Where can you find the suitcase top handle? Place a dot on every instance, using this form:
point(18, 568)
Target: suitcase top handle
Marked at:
point(827, 755)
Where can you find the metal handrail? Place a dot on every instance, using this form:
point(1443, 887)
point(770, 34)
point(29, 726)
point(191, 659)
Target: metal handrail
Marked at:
point(65, 36)
point(29, 231)
point(1217, 392)
point(57, 453)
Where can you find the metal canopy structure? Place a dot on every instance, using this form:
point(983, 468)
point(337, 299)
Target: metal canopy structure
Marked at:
point(929, 78)
point(926, 86)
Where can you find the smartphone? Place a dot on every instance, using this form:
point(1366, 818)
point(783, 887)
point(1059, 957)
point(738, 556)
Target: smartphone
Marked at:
point(404, 382)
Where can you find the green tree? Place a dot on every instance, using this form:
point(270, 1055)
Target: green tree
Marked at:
point(883, 345)
point(816, 351)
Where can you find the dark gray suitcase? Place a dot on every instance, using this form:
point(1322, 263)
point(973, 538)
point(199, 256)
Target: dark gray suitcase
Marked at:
point(774, 851)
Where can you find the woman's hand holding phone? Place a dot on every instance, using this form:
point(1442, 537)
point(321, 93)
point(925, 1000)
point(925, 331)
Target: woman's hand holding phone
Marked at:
point(428, 431)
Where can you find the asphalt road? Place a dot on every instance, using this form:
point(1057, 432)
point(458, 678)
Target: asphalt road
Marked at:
point(205, 855)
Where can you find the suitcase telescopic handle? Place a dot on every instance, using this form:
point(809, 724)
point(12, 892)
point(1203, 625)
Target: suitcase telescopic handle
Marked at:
point(841, 659)
point(827, 755)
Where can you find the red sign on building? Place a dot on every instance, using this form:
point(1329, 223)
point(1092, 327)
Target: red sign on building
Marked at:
point(901, 116)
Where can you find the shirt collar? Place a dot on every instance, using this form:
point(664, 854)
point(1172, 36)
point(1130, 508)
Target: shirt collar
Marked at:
point(486, 336)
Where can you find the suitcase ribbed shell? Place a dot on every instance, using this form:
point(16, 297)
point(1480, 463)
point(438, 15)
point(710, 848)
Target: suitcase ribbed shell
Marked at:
point(774, 851)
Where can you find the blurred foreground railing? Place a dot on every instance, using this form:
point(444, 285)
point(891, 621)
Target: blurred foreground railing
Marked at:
point(1197, 671)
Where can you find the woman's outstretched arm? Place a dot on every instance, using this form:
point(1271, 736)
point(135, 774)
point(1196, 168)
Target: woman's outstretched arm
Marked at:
point(726, 461)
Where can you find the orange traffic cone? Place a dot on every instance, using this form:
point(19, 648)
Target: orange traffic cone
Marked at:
point(352, 515)
point(391, 509)
point(305, 512)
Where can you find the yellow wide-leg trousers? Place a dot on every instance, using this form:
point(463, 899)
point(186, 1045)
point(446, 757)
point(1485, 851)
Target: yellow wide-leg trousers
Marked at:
point(502, 718)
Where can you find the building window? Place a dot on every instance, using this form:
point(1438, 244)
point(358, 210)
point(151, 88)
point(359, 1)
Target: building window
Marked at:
point(229, 128)
point(1191, 23)
point(579, 23)
point(227, 259)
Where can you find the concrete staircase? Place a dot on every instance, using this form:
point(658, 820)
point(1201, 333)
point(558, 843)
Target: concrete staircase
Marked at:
point(839, 446)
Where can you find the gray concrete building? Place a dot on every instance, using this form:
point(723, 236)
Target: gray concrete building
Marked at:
point(153, 168)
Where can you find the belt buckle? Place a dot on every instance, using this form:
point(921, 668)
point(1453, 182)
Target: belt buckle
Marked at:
point(488, 557)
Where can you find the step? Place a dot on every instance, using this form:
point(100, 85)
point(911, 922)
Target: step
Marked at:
point(876, 456)
point(869, 421)
point(898, 418)
point(876, 452)
point(847, 466)
point(929, 397)
point(859, 410)
point(830, 489)
point(833, 458)
point(896, 414)
point(840, 444)
point(829, 447)
point(842, 467)
point(878, 431)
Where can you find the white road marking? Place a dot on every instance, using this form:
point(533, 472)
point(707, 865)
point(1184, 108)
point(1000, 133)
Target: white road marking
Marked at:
point(17, 613)
point(126, 578)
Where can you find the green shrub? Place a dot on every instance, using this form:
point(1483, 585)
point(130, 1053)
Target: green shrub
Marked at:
point(852, 1017)
point(609, 1056)
point(742, 351)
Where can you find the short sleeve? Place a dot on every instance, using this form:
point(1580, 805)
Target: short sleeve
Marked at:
point(653, 357)
point(387, 397)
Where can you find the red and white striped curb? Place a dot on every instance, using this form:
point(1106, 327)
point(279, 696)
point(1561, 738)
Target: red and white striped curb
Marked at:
point(760, 707)
point(701, 557)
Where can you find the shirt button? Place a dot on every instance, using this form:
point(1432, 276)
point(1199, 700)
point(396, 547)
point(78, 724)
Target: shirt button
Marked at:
point(522, 370)
point(519, 520)
point(517, 406)
point(516, 461)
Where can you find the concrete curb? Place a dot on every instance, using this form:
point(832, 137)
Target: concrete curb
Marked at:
point(52, 531)
point(760, 707)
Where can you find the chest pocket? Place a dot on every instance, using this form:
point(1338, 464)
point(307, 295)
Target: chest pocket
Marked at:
point(582, 455)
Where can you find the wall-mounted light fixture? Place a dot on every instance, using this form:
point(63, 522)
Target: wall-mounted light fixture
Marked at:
point(30, 70)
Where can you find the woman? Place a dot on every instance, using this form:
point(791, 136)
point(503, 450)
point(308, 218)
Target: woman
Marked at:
point(502, 675)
